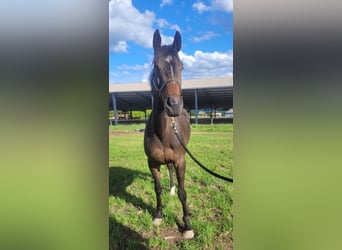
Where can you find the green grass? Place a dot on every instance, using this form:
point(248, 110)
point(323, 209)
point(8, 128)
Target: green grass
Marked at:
point(126, 128)
point(132, 199)
point(194, 128)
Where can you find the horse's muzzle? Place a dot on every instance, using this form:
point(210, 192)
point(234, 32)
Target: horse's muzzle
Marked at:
point(174, 105)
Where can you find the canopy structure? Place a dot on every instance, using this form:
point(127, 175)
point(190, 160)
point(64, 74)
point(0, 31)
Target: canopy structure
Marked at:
point(210, 93)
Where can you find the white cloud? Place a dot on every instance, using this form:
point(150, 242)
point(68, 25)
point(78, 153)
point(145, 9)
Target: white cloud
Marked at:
point(224, 5)
point(206, 36)
point(218, 5)
point(199, 65)
point(200, 7)
point(163, 23)
point(132, 67)
point(126, 23)
point(143, 69)
point(120, 47)
point(206, 64)
point(165, 2)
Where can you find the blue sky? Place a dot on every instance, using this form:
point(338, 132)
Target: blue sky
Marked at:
point(206, 27)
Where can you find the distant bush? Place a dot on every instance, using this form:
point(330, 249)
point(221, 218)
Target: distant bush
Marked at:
point(135, 114)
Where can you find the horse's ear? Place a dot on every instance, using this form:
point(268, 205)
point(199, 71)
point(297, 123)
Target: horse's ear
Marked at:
point(156, 40)
point(177, 41)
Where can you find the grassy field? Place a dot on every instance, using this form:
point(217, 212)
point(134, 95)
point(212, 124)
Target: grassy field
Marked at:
point(132, 199)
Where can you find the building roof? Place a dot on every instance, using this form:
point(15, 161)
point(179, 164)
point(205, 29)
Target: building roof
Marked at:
point(212, 93)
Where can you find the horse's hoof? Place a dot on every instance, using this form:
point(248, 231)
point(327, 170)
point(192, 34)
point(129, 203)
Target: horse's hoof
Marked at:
point(157, 221)
point(188, 234)
point(173, 191)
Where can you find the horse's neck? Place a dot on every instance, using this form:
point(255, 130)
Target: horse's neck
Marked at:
point(161, 122)
point(158, 105)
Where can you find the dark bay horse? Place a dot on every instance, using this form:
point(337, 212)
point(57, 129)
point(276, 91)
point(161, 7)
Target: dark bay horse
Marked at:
point(160, 142)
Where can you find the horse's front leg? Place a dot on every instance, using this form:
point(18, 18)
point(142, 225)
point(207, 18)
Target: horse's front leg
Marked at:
point(172, 183)
point(180, 172)
point(155, 170)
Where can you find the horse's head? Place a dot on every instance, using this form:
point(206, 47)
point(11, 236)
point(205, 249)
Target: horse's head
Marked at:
point(167, 74)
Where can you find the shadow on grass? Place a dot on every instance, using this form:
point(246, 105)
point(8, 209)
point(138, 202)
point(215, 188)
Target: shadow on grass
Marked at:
point(120, 178)
point(121, 236)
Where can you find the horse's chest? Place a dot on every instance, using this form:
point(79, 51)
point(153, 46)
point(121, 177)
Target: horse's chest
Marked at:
point(162, 152)
point(170, 154)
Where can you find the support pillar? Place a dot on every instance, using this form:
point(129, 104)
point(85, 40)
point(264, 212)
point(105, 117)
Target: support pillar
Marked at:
point(196, 106)
point(115, 110)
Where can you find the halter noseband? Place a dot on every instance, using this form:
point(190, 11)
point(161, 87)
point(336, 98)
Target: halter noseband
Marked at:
point(161, 88)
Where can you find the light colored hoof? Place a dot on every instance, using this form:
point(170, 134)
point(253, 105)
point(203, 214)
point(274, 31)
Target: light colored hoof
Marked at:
point(173, 191)
point(157, 221)
point(188, 234)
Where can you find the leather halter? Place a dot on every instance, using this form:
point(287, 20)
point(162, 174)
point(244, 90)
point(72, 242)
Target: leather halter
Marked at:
point(161, 88)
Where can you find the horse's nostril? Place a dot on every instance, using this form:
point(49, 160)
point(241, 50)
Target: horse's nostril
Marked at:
point(169, 102)
point(172, 101)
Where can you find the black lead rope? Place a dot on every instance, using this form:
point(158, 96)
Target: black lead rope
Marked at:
point(192, 157)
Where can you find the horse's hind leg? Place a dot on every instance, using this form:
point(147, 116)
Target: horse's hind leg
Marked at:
point(172, 184)
point(180, 172)
point(155, 170)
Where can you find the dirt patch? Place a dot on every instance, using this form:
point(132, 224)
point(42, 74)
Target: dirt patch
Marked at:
point(227, 238)
point(171, 235)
